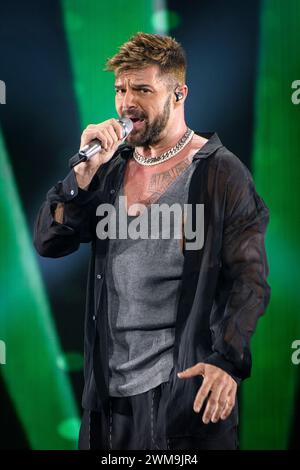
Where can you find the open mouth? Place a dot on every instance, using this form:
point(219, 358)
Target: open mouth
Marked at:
point(135, 119)
point(137, 122)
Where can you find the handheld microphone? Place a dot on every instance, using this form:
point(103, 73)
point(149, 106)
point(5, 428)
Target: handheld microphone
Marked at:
point(94, 146)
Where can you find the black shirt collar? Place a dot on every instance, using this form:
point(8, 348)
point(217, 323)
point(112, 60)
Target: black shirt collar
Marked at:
point(210, 146)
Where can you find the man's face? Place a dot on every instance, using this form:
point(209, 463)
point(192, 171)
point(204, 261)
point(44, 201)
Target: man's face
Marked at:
point(145, 97)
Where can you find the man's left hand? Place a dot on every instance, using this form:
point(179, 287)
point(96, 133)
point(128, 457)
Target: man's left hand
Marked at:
point(221, 386)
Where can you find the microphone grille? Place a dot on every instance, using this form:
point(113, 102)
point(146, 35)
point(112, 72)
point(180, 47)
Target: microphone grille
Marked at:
point(127, 125)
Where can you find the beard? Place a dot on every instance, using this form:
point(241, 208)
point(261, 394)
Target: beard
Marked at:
point(150, 134)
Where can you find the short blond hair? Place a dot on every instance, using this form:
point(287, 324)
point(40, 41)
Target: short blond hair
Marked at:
point(145, 49)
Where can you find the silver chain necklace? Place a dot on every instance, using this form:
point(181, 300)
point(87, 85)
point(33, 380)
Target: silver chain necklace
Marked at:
point(185, 139)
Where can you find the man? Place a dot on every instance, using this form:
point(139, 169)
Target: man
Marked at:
point(168, 322)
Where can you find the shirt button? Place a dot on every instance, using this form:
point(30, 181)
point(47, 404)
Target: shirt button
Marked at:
point(112, 191)
point(94, 317)
point(99, 276)
point(72, 192)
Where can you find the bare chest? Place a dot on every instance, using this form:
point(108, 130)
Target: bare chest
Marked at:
point(146, 185)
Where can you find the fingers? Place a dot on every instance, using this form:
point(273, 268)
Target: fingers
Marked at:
point(202, 395)
point(229, 404)
point(213, 400)
point(218, 386)
point(220, 403)
point(109, 139)
point(217, 405)
point(197, 369)
point(109, 132)
point(86, 136)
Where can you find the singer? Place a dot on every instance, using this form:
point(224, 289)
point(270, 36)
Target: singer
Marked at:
point(167, 330)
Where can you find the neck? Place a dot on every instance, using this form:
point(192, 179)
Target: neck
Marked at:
point(168, 138)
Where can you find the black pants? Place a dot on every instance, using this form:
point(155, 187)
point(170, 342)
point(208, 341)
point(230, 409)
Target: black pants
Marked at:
point(132, 426)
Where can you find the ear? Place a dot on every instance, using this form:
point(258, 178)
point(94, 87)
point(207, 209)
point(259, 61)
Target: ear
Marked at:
point(181, 92)
point(178, 95)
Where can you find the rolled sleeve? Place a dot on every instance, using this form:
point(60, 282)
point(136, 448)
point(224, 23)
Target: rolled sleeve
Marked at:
point(54, 239)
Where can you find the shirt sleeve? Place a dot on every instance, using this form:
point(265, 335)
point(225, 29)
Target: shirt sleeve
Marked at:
point(54, 239)
point(243, 292)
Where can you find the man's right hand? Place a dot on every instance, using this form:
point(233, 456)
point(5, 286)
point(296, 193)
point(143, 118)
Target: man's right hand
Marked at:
point(110, 133)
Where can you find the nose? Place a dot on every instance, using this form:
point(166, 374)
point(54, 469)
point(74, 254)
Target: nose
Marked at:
point(129, 100)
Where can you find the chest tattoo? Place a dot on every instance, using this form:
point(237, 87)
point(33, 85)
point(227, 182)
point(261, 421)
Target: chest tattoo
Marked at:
point(159, 182)
point(149, 191)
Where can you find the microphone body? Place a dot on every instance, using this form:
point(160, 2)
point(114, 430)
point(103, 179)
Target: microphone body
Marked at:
point(94, 146)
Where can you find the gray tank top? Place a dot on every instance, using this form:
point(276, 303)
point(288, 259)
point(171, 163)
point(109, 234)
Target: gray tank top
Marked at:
point(143, 286)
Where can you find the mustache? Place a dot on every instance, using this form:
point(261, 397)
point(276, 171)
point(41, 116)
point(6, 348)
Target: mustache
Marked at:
point(135, 115)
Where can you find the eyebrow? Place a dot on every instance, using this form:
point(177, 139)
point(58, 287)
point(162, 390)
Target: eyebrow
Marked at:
point(136, 86)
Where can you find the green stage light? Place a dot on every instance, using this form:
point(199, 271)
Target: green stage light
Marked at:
point(269, 397)
point(69, 429)
point(40, 392)
point(165, 20)
point(94, 32)
point(70, 362)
